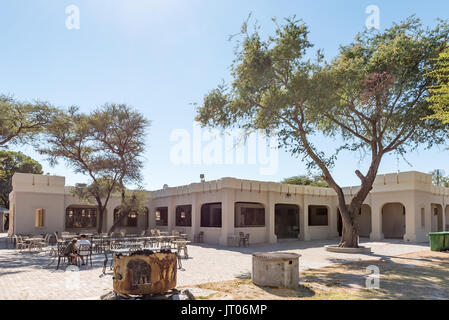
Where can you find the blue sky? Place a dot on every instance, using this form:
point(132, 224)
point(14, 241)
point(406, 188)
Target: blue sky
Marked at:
point(160, 56)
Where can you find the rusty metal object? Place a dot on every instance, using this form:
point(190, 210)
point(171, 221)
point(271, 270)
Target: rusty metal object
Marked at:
point(145, 273)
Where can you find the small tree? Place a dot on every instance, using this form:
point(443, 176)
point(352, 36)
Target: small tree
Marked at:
point(372, 96)
point(106, 145)
point(315, 181)
point(19, 122)
point(10, 163)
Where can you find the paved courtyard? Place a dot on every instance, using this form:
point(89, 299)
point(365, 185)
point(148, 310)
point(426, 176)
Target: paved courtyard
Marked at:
point(28, 275)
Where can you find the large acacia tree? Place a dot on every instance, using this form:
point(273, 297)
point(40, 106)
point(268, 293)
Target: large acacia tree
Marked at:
point(21, 121)
point(371, 96)
point(106, 145)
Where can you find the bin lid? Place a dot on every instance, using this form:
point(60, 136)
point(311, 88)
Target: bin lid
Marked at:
point(276, 255)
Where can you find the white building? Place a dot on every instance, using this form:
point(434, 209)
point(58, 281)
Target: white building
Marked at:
point(404, 206)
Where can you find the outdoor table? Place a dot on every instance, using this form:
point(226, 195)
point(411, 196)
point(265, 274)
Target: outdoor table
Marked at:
point(33, 241)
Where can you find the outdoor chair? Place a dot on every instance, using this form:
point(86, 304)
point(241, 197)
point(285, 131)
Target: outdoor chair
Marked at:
point(61, 254)
point(85, 251)
point(20, 243)
point(244, 239)
point(199, 238)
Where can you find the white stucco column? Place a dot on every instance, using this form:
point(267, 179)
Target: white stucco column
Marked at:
point(376, 220)
point(411, 214)
point(305, 221)
point(444, 217)
point(171, 214)
point(270, 218)
point(227, 215)
point(333, 221)
point(196, 215)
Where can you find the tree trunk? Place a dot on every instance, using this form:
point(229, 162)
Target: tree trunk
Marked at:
point(350, 233)
point(100, 219)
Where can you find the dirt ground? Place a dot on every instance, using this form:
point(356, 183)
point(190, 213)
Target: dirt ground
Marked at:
point(420, 275)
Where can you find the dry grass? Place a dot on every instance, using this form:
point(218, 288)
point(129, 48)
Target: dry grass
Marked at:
point(422, 275)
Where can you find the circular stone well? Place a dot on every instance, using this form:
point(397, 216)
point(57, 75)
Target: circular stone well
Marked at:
point(276, 269)
point(337, 249)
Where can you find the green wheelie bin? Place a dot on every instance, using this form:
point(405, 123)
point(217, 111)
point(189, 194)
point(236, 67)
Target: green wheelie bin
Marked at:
point(438, 241)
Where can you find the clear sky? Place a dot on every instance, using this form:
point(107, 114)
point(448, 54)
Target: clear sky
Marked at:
point(160, 56)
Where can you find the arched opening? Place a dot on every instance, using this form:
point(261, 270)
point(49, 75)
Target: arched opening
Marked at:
point(81, 217)
point(211, 215)
point(136, 220)
point(183, 216)
point(365, 226)
point(393, 220)
point(249, 215)
point(436, 218)
point(286, 221)
point(161, 216)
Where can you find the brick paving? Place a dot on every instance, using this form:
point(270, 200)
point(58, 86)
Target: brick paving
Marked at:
point(28, 275)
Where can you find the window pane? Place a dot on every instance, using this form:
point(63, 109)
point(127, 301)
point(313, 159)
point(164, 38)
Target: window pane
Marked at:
point(211, 215)
point(184, 216)
point(249, 215)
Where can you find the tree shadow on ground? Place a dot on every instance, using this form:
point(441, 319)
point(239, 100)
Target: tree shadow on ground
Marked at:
point(422, 280)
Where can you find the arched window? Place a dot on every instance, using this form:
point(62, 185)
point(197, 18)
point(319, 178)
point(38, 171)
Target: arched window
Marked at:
point(162, 216)
point(249, 215)
point(129, 221)
point(211, 215)
point(80, 217)
point(184, 216)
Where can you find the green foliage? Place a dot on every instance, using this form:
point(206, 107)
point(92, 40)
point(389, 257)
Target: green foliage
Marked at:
point(303, 180)
point(438, 179)
point(439, 99)
point(10, 163)
point(106, 145)
point(373, 96)
point(20, 122)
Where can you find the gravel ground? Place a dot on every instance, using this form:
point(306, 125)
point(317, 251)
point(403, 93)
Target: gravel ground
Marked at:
point(28, 276)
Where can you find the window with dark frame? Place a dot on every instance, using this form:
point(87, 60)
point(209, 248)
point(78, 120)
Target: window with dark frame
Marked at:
point(211, 215)
point(183, 216)
point(162, 217)
point(249, 215)
point(318, 216)
point(81, 218)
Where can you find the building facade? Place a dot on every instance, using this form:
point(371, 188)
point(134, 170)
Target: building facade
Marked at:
point(402, 206)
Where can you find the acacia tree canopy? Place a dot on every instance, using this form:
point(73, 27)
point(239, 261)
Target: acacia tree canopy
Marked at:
point(372, 96)
point(439, 98)
point(106, 145)
point(20, 121)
